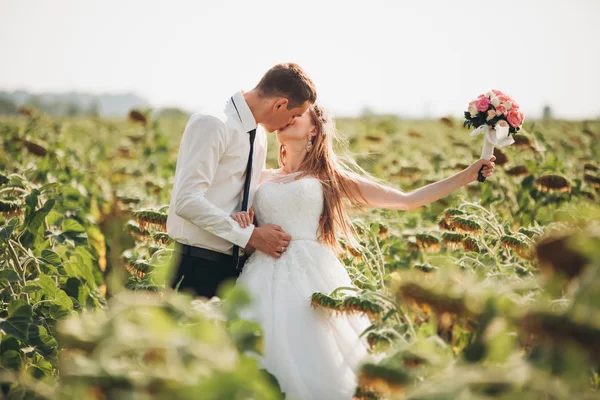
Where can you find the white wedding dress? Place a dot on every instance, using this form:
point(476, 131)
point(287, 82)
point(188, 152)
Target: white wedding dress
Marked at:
point(313, 353)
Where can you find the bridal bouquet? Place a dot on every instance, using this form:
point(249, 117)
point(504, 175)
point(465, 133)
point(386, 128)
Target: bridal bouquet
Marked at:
point(496, 116)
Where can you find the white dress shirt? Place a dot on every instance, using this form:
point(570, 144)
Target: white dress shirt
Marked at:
point(209, 177)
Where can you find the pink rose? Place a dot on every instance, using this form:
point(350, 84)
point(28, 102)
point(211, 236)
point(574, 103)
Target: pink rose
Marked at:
point(497, 92)
point(515, 117)
point(501, 109)
point(483, 104)
point(503, 98)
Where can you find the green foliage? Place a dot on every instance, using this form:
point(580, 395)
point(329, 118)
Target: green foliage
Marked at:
point(490, 292)
point(160, 347)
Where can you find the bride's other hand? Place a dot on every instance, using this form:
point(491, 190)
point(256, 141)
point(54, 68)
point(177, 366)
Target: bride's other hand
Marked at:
point(244, 218)
point(473, 170)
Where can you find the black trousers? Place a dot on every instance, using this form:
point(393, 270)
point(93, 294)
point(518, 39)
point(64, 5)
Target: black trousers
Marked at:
point(202, 277)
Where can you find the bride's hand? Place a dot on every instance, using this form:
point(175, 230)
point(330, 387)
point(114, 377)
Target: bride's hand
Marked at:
point(473, 170)
point(244, 218)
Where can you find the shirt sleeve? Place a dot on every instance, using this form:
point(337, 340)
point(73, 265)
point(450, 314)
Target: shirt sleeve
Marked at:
point(203, 144)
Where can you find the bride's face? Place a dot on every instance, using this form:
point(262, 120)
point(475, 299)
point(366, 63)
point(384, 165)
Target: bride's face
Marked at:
point(299, 130)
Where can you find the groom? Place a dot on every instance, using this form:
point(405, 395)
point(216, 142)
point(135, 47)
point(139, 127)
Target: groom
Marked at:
point(220, 160)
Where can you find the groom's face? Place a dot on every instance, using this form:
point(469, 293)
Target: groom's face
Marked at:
point(282, 117)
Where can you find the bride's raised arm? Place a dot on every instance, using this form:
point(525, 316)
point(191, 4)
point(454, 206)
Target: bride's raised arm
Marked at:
point(373, 194)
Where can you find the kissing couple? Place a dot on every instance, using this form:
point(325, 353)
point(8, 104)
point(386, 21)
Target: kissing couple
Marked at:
point(276, 230)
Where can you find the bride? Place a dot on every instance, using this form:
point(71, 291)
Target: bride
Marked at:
point(314, 355)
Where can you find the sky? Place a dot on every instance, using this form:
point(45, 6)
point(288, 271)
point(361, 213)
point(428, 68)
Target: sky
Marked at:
point(412, 58)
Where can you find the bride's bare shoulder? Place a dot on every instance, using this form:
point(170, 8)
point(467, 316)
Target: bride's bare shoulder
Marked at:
point(266, 174)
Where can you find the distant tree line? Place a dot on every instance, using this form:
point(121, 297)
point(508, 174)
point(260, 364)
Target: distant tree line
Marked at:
point(59, 108)
point(81, 104)
point(71, 103)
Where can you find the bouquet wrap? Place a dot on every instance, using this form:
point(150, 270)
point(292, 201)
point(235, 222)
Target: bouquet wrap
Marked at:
point(493, 136)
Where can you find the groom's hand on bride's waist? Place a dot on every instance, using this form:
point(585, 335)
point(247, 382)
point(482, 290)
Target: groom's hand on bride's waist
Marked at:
point(270, 239)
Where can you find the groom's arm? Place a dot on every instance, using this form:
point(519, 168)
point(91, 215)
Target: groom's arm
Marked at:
point(203, 144)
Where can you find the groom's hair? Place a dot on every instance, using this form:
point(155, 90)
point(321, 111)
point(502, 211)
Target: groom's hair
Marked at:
point(290, 81)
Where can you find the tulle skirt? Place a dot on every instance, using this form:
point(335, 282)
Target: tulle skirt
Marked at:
point(313, 353)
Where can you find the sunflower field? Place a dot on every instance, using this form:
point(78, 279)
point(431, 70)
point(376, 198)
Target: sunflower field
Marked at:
point(492, 292)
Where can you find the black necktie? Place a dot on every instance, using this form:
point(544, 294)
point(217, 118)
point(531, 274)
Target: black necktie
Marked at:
point(252, 135)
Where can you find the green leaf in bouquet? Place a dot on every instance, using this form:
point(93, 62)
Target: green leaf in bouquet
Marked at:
point(492, 121)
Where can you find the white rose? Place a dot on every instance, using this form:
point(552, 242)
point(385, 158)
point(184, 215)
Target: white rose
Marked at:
point(490, 114)
point(473, 110)
point(495, 101)
point(507, 105)
point(489, 95)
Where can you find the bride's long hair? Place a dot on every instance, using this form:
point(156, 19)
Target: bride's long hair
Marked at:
point(337, 172)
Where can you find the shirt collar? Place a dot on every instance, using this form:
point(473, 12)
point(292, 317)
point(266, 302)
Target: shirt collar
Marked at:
point(247, 118)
